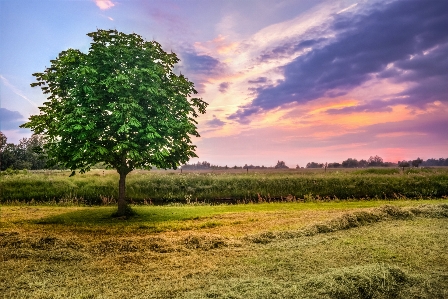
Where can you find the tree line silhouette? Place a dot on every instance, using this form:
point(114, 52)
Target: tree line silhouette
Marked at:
point(30, 154)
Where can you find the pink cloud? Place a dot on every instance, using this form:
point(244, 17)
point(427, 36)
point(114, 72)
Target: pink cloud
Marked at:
point(219, 45)
point(104, 4)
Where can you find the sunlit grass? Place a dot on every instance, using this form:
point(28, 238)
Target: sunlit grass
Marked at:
point(236, 219)
point(219, 251)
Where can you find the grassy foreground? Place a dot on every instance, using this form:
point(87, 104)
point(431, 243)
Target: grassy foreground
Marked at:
point(363, 249)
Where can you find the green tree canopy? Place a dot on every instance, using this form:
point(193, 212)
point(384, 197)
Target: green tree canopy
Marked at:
point(3, 140)
point(121, 104)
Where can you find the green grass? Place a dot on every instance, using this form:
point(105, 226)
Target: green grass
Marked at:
point(381, 171)
point(171, 215)
point(98, 187)
point(360, 249)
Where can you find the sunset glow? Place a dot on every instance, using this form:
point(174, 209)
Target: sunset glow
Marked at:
point(297, 81)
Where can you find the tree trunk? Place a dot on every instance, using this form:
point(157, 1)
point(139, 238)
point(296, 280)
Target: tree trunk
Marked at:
point(122, 204)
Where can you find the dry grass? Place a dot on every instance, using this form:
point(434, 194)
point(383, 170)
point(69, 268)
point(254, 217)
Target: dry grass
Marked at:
point(313, 251)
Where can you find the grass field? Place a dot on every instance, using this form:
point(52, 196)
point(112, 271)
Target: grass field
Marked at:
point(98, 186)
point(346, 249)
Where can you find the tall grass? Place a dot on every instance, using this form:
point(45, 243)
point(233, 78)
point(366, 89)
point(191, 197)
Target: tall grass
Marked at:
point(162, 187)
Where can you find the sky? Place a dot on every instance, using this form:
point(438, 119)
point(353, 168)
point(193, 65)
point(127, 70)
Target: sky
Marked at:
point(290, 80)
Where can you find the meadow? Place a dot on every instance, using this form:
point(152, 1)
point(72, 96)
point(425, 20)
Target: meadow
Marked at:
point(347, 249)
point(362, 233)
point(226, 186)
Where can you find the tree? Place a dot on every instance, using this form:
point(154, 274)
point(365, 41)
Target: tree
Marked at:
point(417, 162)
point(334, 165)
point(375, 161)
point(281, 164)
point(436, 162)
point(350, 163)
point(28, 154)
point(120, 104)
point(11, 157)
point(403, 164)
point(363, 163)
point(314, 165)
point(3, 141)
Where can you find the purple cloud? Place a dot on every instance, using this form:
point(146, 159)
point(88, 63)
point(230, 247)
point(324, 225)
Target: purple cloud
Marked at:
point(258, 80)
point(242, 113)
point(200, 68)
point(288, 49)
point(215, 122)
point(201, 64)
point(224, 86)
point(372, 106)
point(429, 72)
point(10, 120)
point(364, 45)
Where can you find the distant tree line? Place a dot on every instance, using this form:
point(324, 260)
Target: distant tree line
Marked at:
point(207, 165)
point(376, 161)
point(436, 162)
point(30, 154)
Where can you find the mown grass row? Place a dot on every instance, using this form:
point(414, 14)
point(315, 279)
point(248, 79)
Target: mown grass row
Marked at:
point(158, 187)
point(366, 250)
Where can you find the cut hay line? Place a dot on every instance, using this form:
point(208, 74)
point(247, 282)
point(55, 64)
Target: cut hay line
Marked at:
point(356, 219)
point(208, 241)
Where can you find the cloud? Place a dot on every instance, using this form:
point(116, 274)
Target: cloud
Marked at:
point(406, 134)
point(201, 64)
point(428, 71)
point(405, 41)
point(215, 122)
point(218, 45)
point(242, 114)
point(104, 4)
point(10, 120)
point(258, 80)
point(424, 136)
point(201, 68)
point(224, 86)
point(288, 49)
point(372, 106)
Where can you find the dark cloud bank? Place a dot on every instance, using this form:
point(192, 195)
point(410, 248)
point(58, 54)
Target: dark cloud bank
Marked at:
point(405, 41)
point(10, 120)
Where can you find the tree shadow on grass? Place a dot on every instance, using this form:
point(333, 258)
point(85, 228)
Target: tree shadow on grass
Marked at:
point(104, 216)
point(84, 216)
